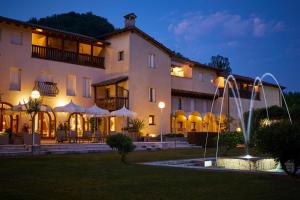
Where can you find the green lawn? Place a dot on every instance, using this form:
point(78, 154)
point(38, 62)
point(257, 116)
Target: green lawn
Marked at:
point(102, 176)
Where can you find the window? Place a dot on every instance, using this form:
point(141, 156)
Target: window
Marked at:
point(151, 94)
point(15, 79)
point(151, 120)
point(120, 55)
point(16, 38)
point(151, 61)
point(87, 87)
point(107, 92)
point(200, 76)
point(71, 85)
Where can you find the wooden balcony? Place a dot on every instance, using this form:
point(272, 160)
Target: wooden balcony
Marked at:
point(67, 56)
point(112, 103)
point(243, 94)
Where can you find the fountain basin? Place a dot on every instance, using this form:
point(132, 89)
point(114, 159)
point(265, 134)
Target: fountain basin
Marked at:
point(245, 163)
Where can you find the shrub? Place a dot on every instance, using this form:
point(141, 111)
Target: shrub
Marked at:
point(230, 140)
point(282, 141)
point(136, 125)
point(199, 138)
point(173, 135)
point(122, 143)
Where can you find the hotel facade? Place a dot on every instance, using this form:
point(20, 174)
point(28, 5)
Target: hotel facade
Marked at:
point(124, 68)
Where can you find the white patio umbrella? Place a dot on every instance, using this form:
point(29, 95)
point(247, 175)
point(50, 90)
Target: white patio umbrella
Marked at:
point(70, 108)
point(97, 112)
point(123, 112)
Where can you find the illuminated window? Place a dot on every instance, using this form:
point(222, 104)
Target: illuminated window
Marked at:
point(71, 85)
point(151, 120)
point(15, 79)
point(151, 61)
point(177, 71)
point(85, 49)
point(16, 38)
point(97, 51)
point(120, 55)
point(87, 87)
point(112, 123)
point(38, 39)
point(152, 96)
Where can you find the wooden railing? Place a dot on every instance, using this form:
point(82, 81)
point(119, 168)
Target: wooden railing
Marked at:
point(112, 103)
point(243, 94)
point(67, 56)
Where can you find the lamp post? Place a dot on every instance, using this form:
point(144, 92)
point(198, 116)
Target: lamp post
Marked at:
point(35, 95)
point(161, 105)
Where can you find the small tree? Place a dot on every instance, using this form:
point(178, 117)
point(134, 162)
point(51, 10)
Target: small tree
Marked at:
point(281, 140)
point(230, 140)
point(222, 63)
point(122, 143)
point(33, 106)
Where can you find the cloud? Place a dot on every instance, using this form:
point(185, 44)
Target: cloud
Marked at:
point(195, 24)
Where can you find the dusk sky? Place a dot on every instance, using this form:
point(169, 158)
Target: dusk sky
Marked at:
point(257, 36)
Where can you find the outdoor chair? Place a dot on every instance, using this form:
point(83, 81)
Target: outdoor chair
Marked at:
point(87, 135)
point(99, 136)
point(73, 137)
point(61, 136)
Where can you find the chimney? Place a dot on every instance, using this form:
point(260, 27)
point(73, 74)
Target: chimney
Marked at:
point(129, 20)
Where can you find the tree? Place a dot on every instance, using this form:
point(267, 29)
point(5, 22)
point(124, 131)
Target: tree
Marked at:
point(85, 23)
point(292, 99)
point(122, 143)
point(222, 63)
point(281, 140)
point(230, 140)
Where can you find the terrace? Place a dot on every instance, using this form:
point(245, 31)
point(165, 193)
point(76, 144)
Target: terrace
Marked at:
point(74, 50)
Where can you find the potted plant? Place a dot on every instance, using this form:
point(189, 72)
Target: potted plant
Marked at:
point(135, 128)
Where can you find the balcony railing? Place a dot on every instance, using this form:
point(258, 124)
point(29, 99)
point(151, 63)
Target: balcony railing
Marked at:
point(243, 94)
point(67, 56)
point(112, 103)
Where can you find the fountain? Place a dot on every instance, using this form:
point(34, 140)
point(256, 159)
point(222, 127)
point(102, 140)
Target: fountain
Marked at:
point(242, 163)
point(239, 162)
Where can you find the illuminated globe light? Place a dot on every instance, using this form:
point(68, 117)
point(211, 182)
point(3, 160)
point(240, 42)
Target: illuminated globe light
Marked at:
point(161, 105)
point(238, 129)
point(35, 94)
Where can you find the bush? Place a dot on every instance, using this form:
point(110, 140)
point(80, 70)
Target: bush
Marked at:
point(122, 143)
point(230, 140)
point(282, 141)
point(199, 138)
point(173, 135)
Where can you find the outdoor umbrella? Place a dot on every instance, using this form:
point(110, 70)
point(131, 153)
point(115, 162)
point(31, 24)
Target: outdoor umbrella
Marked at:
point(123, 112)
point(97, 112)
point(70, 108)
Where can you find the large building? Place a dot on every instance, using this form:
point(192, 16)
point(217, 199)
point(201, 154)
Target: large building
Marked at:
point(124, 68)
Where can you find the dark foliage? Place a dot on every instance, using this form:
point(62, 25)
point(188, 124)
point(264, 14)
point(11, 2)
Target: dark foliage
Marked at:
point(292, 99)
point(85, 23)
point(282, 141)
point(199, 138)
point(222, 63)
point(230, 140)
point(173, 135)
point(122, 143)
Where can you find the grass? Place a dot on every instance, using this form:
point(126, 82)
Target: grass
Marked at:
point(102, 176)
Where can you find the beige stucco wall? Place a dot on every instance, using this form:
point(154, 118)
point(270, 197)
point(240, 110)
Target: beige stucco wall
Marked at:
point(141, 78)
point(114, 67)
point(19, 56)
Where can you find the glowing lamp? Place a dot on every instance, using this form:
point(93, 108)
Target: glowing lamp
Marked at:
point(161, 105)
point(238, 129)
point(35, 94)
